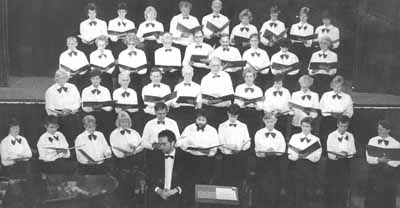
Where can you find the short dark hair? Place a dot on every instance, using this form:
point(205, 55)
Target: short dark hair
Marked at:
point(308, 120)
point(255, 35)
point(91, 6)
point(343, 120)
point(154, 70)
point(201, 113)
point(51, 120)
point(234, 109)
point(13, 122)
point(122, 5)
point(160, 106)
point(385, 124)
point(279, 78)
point(169, 134)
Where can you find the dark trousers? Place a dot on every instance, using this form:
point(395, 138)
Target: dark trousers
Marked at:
point(173, 202)
point(269, 181)
point(233, 169)
point(149, 47)
point(328, 124)
point(381, 188)
point(97, 169)
point(303, 53)
point(302, 173)
point(283, 124)
point(338, 173)
point(19, 170)
point(253, 119)
point(60, 166)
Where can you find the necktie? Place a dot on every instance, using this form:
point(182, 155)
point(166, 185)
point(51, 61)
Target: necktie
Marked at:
point(215, 16)
point(96, 91)
point(122, 23)
point(386, 142)
point(16, 140)
point(225, 49)
point(73, 53)
point(216, 76)
point(62, 89)
point(273, 24)
point(200, 128)
point(185, 18)
point(249, 89)
point(306, 96)
point(157, 85)
point(280, 93)
point(322, 55)
point(198, 46)
point(336, 96)
point(232, 124)
point(270, 134)
point(150, 24)
point(343, 137)
point(168, 156)
point(132, 52)
point(186, 84)
point(168, 50)
point(102, 55)
point(325, 30)
point(53, 138)
point(160, 122)
point(125, 94)
point(93, 23)
point(284, 56)
point(92, 137)
point(305, 139)
point(244, 28)
point(123, 131)
point(255, 53)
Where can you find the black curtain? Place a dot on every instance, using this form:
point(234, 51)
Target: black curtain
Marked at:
point(4, 53)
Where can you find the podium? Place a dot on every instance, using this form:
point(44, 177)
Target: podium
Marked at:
point(212, 194)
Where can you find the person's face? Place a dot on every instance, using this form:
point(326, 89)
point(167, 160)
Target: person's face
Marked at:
point(278, 84)
point(304, 85)
point(14, 130)
point(151, 16)
point(337, 87)
point(124, 124)
point(232, 118)
point(122, 13)
point(90, 127)
point(324, 45)
point(215, 66)
point(166, 147)
point(342, 127)
point(51, 128)
point(254, 42)
point(124, 81)
point(284, 49)
point(274, 16)
point(161, 114)
point(303, 17)
point(72, 44)
point(216, 7)
point(96, 80)
point(167, 41)
point(101, 45)
point(201, 121)
point(249, 78)
point(224, 41)
point(156, 77)
point(92, 14)
point(61, 80)
point(382, 132)
point(306, 128)
point(326, 21)
point(270, 123)
point(245, 20)
point(185, 10)
point(131, 45)
point(187, 75)
point(198, 38)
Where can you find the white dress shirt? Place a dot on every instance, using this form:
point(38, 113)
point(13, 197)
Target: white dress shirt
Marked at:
point(124, 140)
point(378, 141)
point(277, 100)
point(152, 90)
point(227, 54)
point(217, 20)
point(74, 60)
point(308, 99)
point(339, 143)
point(265, 139)
point(12, 149)
point(258, 59)
point(252, 92)
point(243, 31)
point(59, 98)
point(168, 169)
point(192, 137)
point(134, 59)
point(235, 134)
point(167, 57)
point(119, 25)
point(323, 57)
point(97, 148)
point(276, 27)
point(153, 127)
point(296, 141)
point(287, 58)
point(102, 59)
point(202, 49)
point(53, 141)
point(190, 23)
point(89, 94)
point(91, 29)
point(303, 30)
point(187, 89)
point(217, 85)
point(147, 27)
point(126, 96)
point(336, 103)
point(330, 31)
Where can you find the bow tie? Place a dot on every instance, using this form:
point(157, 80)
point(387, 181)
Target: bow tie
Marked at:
point(62, 89)
point(273, 24)
point(157, 85)
point(92, 137)
point(343, 137)
point(244, 28)
point(14, 141)
point(216, 76)
point(386, 142)
point(325, 30)
point(216, 16)
point(161, 122)
point(304, 28)
point(123, 131)
point(336, 96)
point(186, 84)
point(198, 46)
point(305, 139)
point(96, 91)
point(168, 50)
point(132, 52)
point(225, 49)
point(248, 89)
point(200, 128)
point(91, 23)
point(122, 23)
point(280, 93)
point(270, 134)
point(150, 24)
point(73, 53)
point(306, 96)
point(185, 18)
point(53, 138)
point(255, 53)
point(101, 56)
point(169, 156)
point(125, 94)
point(322, 55)
point(232, 124)
point(284, 56)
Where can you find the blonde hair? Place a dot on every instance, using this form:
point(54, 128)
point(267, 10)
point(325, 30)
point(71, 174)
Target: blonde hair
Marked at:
point(60, 74)
point(306, 79)
point(249, 71)
point(148, 10)
point(88, 119)
point(121, 117)
point(124, 74)
point(246, 12)
point(102, 38)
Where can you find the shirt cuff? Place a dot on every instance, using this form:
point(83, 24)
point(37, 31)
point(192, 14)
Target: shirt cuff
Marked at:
point(156, 189)
point(179, 189)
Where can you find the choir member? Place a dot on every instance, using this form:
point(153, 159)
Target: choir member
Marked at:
point(54, 150)
point(340, 148)
point(258, 59)
point(119, 27)
point(215, 24)
point(75, 63)
point(149, 32)
point(304, 152)
point(168, 59)
point(272, 31)
point(235, 140)
point(92, 149)
point(276, 101)
point(270, 146)
point(197, 55)
point(188, 99)
point(240, 35)
point(91, 28)
point(217, 92)
point(62, 100)
point(328, 29)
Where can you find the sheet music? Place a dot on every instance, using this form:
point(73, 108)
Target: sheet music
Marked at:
point(226, 194)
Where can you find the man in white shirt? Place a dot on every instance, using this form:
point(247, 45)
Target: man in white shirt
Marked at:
point(215, 24)
point(62, 100)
